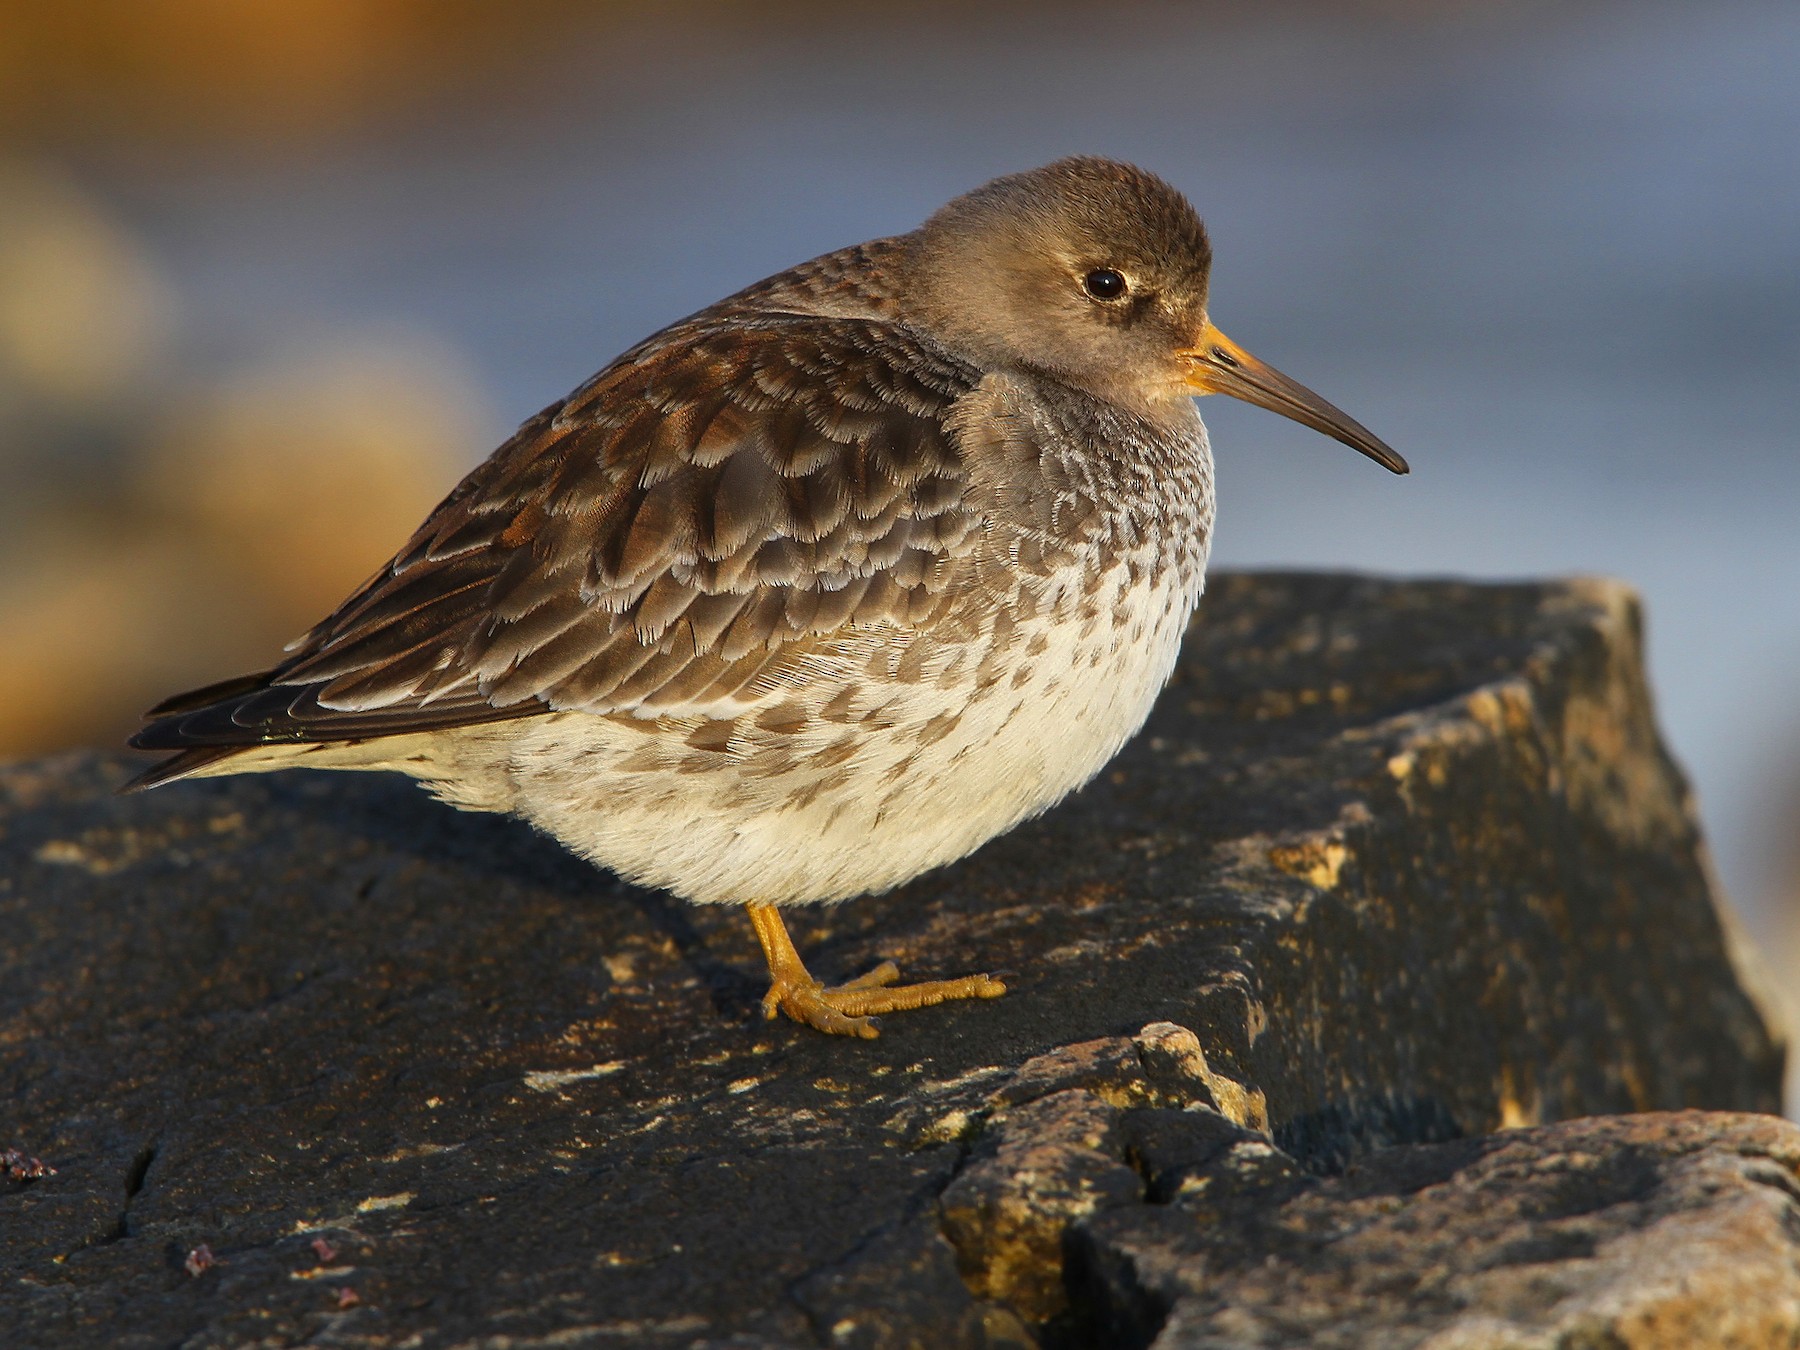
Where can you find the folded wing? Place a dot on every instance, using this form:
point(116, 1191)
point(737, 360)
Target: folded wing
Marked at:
point(681, 535)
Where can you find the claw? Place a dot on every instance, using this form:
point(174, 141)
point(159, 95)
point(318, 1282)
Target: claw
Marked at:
point(848, 1009)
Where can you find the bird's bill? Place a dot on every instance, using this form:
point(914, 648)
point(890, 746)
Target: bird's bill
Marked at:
point(1219, 366)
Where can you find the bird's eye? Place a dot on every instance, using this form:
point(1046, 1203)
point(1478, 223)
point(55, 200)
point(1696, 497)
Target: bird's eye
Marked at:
point(1103, 284)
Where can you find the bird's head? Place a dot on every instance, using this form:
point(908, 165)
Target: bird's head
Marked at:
point(1096, 272)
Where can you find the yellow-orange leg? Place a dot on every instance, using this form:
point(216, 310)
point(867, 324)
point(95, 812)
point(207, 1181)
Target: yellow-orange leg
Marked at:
point(847, 1009)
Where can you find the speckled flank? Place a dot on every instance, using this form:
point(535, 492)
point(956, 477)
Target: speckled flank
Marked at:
point(738, 811)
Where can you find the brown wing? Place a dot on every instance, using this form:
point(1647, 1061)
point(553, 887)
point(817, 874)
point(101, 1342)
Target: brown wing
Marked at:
point(687, 529)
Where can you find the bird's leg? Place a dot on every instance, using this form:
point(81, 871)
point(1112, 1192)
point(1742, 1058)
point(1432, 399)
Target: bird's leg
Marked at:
point(847, 1009)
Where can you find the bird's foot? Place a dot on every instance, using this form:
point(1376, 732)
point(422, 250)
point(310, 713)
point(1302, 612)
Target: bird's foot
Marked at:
point(850, 1009)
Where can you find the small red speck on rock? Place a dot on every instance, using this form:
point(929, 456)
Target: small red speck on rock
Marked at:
point(348, 1297)
point(200, 1259)
point(324, 1251)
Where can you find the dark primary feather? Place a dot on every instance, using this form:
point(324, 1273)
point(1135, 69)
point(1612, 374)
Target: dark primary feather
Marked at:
point(719, 501)
point(206, 695)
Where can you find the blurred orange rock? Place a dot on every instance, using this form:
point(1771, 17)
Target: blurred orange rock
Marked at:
point(250, 513)
point(259, 75)
point(300, 478)
point(82, 306)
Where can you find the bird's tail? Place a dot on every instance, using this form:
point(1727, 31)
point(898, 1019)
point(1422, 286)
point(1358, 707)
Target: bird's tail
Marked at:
point(186, 763)
point(161, 734)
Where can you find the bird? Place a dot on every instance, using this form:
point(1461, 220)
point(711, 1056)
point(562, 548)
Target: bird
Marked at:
point(816, 589)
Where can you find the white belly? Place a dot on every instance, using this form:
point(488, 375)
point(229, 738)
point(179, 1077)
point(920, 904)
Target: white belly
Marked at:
point(931, 771)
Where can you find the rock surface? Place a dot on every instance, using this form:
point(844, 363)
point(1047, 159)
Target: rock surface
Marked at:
point(1667, 1230)
point(318, 1060)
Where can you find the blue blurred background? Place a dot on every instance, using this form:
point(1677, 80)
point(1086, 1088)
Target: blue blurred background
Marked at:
point(272, 276)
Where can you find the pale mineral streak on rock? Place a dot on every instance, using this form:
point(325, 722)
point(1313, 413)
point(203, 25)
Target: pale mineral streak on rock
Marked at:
point(551, 1080)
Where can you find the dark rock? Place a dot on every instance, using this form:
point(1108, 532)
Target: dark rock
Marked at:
point(1392, 863)
point(902, 1288)
point(1664, 1231)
